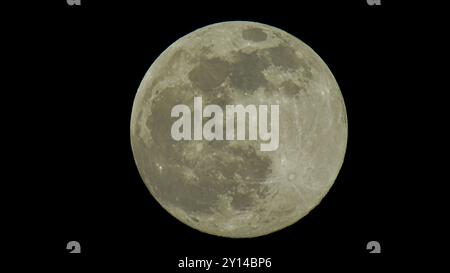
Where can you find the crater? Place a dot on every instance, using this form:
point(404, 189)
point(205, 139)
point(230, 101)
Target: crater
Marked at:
point(250, 164)
point(177, 58)
point(209, 74)
point(307, 74)
point(221, 96)
point(290, 89)
point(246, 74)
point(284, 57)
point(242, 201)
point(192, 198)
point(254, 34)
point(160, 121)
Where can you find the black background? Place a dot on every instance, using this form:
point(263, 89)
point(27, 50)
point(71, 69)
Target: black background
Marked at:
point(83, 67)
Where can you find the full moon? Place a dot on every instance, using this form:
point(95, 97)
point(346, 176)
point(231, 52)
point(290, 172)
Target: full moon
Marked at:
point(232, 188)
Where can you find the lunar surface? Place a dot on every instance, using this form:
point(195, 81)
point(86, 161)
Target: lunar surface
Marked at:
point(232, 188)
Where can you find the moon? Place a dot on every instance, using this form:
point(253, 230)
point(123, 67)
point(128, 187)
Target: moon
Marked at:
point(232, 188)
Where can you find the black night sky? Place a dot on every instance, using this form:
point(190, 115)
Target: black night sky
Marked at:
point(83, 67)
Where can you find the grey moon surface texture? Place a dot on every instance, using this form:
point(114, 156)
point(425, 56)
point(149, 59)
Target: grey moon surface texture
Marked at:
point(232, 188)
